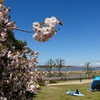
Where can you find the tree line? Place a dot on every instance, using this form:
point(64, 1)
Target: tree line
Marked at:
point(60, 63)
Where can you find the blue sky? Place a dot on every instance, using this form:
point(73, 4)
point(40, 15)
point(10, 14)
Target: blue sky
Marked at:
point(78, 41)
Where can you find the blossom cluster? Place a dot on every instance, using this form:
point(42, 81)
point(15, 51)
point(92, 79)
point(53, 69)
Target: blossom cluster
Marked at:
point(5, 22)
point(44, 31)
point(17, 72)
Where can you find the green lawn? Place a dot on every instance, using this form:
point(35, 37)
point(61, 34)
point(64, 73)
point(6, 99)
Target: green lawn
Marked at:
point(59, 93)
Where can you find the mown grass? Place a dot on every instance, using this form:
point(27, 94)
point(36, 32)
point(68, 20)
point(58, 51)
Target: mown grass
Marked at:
point(59, 93)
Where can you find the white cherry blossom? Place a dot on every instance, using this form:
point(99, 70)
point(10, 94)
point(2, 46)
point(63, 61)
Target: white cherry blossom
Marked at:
point(43, 32)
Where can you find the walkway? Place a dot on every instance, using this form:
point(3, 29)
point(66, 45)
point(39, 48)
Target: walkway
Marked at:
point(72, 82)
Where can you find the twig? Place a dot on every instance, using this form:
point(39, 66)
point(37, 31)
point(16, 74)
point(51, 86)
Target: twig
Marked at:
point(23, 30)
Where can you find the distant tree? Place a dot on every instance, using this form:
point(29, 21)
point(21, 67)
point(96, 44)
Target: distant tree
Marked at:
point(59, 64)
point(88, 68)
point(49, 65)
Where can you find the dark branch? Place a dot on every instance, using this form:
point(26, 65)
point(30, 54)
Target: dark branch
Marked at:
point(24, 30)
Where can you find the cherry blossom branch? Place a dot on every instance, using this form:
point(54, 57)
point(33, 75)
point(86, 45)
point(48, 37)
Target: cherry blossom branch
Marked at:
point(17, 29)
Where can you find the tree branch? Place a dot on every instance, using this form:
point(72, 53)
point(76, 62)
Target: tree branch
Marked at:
point(23, 30)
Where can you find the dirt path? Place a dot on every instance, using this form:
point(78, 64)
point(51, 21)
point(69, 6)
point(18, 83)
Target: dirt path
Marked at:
point(72, 82)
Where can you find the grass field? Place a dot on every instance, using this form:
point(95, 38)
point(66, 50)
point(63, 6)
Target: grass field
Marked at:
point(59, 93)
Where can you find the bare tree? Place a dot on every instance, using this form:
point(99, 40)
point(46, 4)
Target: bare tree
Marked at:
point(87, 65)
point(48, 66)
point(59, 64)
